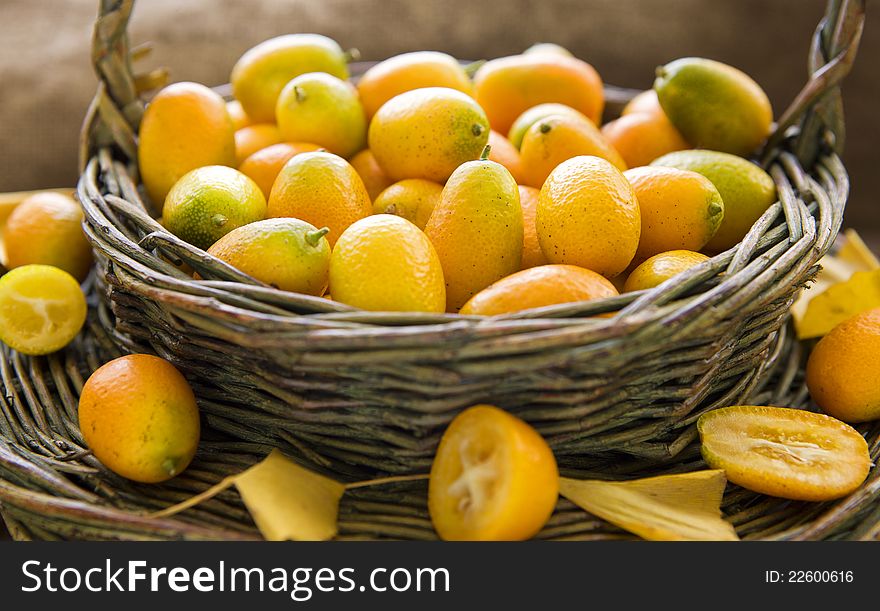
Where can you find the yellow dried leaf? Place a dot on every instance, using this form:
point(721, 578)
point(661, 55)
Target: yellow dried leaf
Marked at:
point(285, 500)
point(288, 501)
point(839, 302)
point(855, 251)
point(680, 507)
point(192, 501)
point(832, 272)
point(852, 256)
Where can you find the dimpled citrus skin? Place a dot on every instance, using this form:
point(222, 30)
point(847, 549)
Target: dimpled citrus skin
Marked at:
point(641, 138)
point(660, 268)
point(508, 86)
point(374, 177)
point(237, 114)
point(288, 254)
point(538, 287)
point(477, 229)
point(536, 113)
point(409, 71)
point(321, 189)
point(588, 215)
point(385, 263)
point(184, 127)
point(680, 210)
point(503, 152)
point(556, 138)
point(713, 105)
point(264, 166)
point(746, 189)
point(139, 417)
point(262, 72)
point(645, 102)
point(323, 109)
point(250, 139)
point(531, 254)
point(427, 133)
point(209, 202)
point(46, 228)
point(413, 199)
point(843, 369)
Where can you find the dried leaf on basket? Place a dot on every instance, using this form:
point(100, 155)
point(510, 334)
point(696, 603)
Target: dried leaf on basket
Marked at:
point(853, 256)
point(680, 507)
point(286, 501)
point(855, 251)
point(839, 302)
point(289, 502)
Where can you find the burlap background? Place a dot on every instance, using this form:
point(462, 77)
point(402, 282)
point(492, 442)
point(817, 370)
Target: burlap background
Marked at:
point(46, 80)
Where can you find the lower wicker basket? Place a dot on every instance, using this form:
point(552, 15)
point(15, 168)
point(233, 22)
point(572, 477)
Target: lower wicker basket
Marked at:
point(52, 488)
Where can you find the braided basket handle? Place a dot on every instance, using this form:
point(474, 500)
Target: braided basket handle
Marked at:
point(115, 113)
point(818, 107)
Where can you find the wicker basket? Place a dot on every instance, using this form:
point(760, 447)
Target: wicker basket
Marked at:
point(354, 392)
point(360, 392)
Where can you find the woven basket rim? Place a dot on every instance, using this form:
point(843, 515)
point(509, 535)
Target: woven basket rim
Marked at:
point(731, 270)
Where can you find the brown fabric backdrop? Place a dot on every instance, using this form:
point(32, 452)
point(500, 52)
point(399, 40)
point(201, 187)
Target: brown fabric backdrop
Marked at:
point(46, 79)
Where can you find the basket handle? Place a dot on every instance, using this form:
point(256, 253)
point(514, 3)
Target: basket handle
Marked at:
point(115, 114)
point(816, 114)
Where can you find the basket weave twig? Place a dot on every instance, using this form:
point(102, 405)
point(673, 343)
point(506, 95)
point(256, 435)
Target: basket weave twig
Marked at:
point(50, 488)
